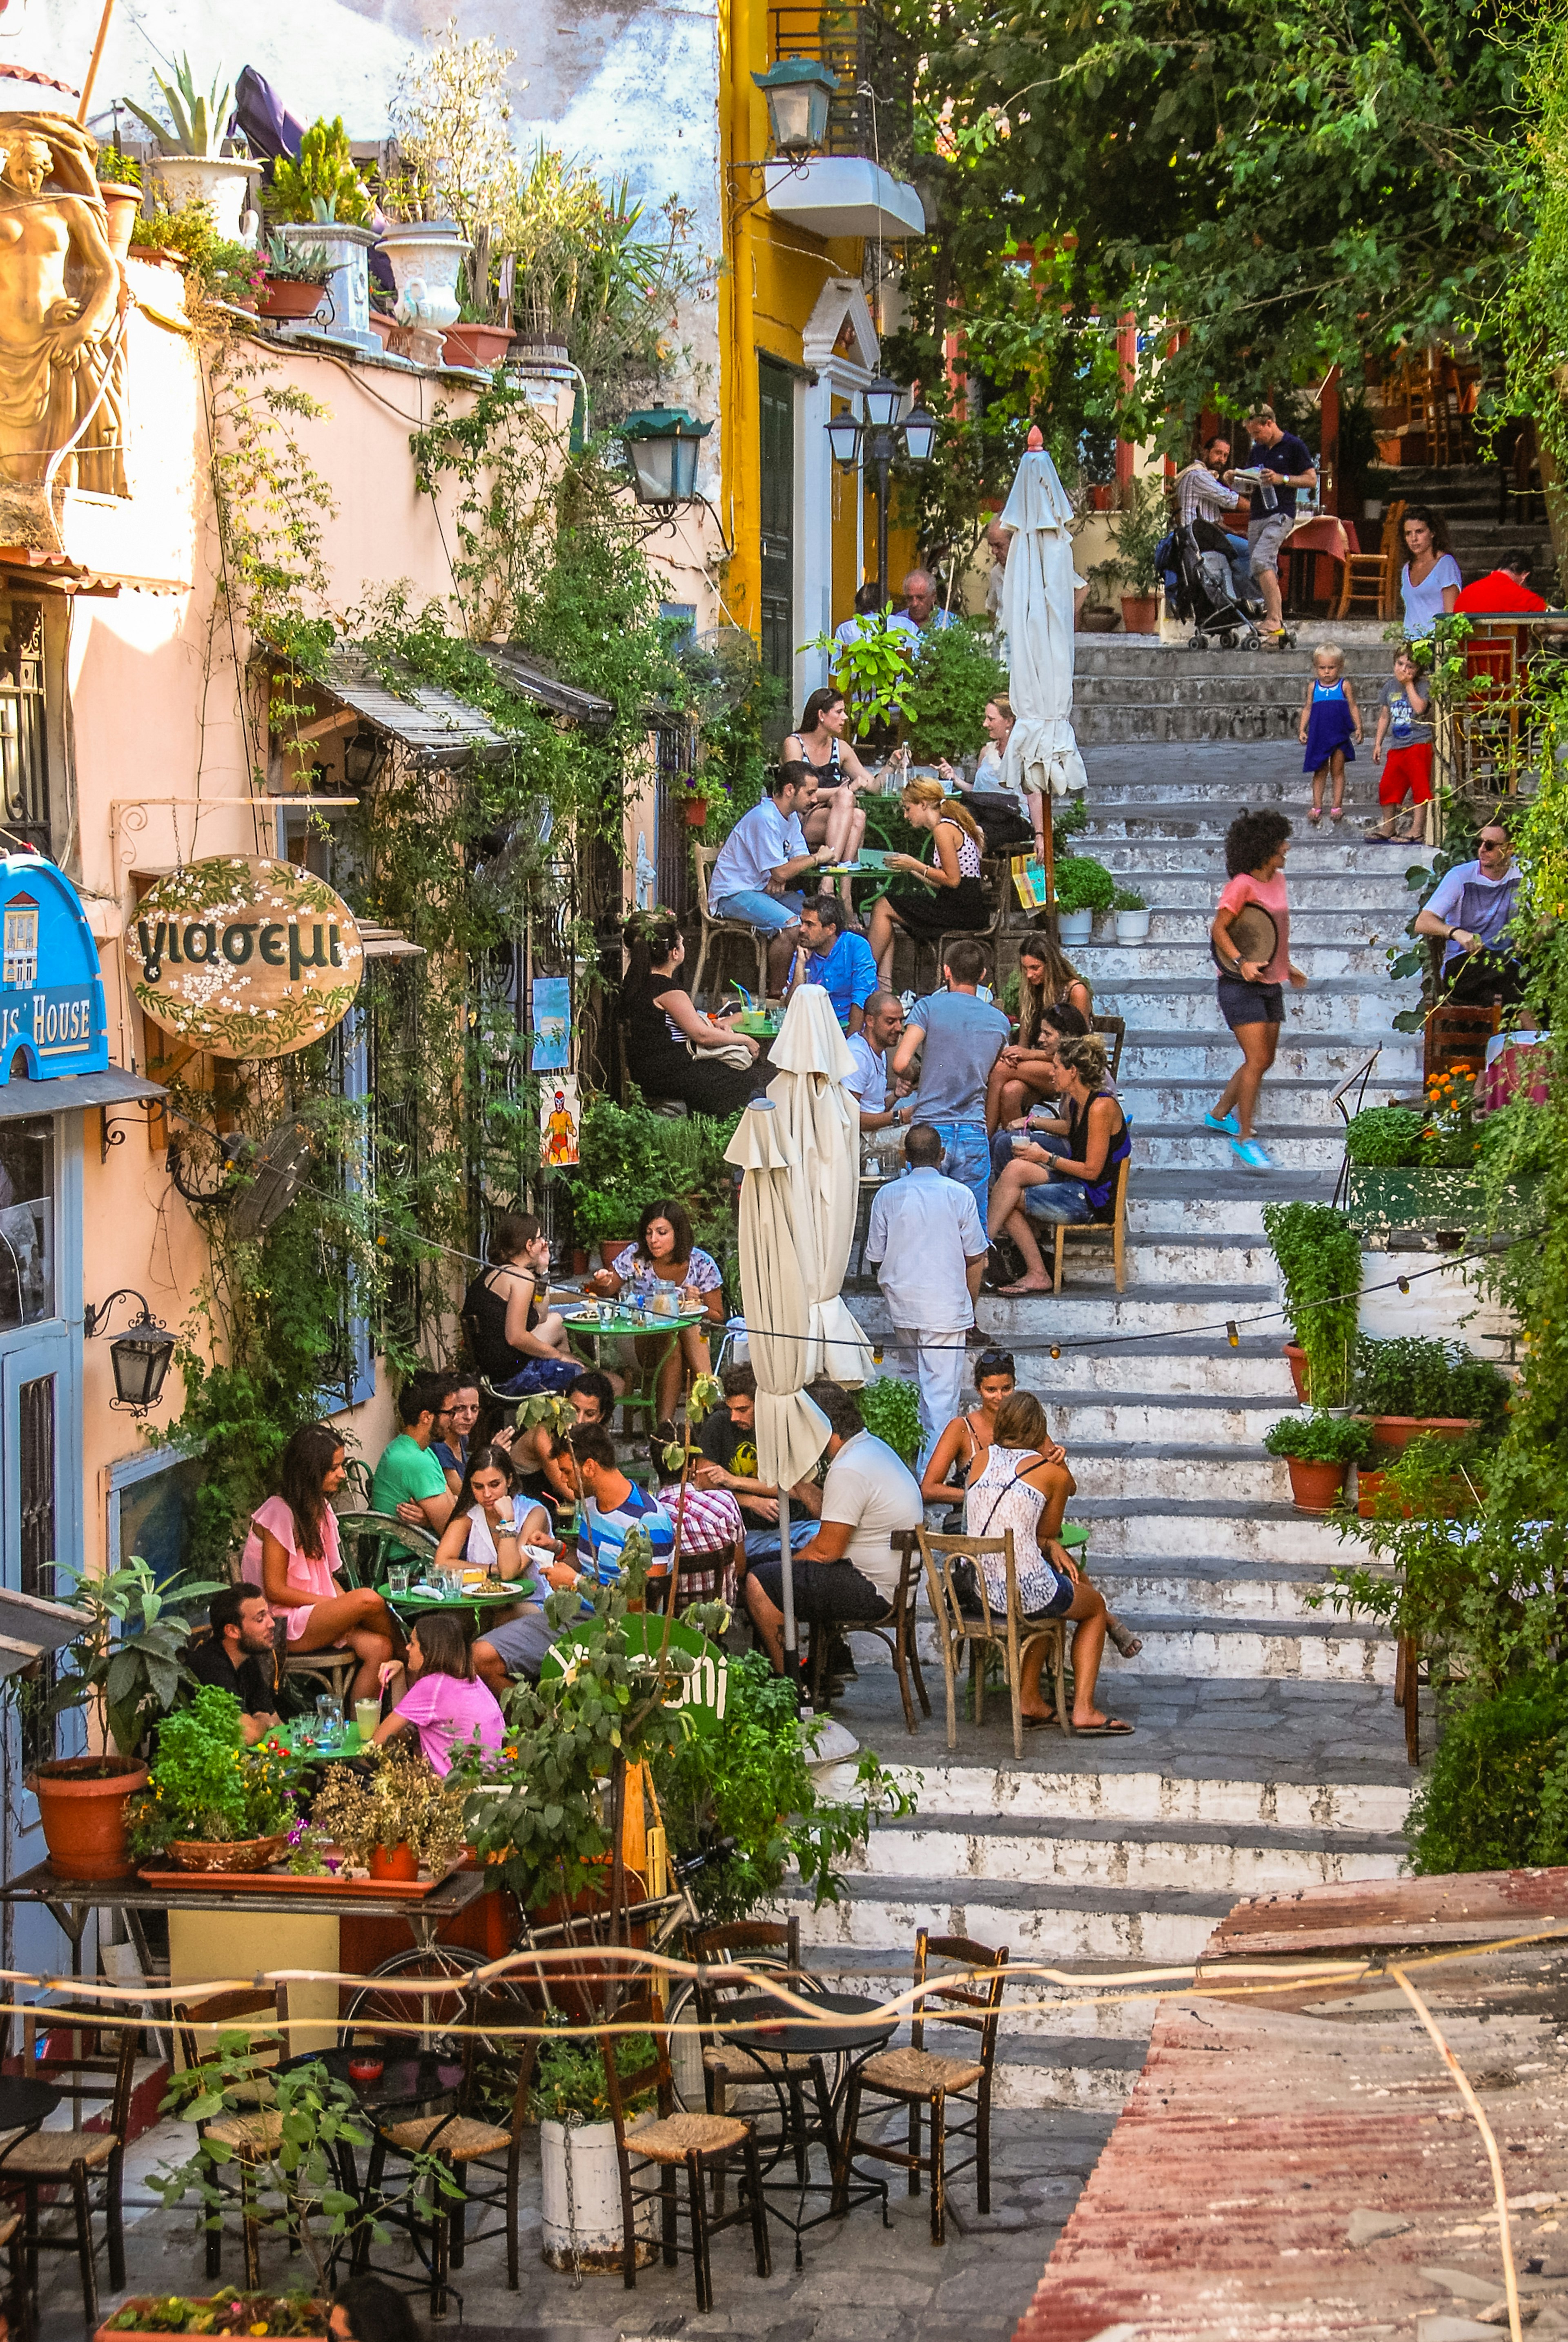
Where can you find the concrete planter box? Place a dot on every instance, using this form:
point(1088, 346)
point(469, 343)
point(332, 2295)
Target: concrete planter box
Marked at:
point(1380, 1201)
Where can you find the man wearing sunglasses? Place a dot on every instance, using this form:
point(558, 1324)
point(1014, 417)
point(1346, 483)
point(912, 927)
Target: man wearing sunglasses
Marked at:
point(1469, 913)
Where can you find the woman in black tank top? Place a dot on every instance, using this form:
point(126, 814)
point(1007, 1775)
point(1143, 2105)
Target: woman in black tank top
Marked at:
point(835, 819)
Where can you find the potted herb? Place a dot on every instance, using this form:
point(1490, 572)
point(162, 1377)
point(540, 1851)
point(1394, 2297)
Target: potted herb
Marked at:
point(297, 277)
point(955, 673)
point(126, 1664)
point(1410, 1386)
point(402, 1820)
point(191, 164)
point(120, 184)
point(296, 2314)
point(1319, 1256)
point(1085, 887)
point(1138, 527)
point(1319, 1450)
point(1132, 917)
point(580, 2171)
point(320, 207)
point(211, 1802)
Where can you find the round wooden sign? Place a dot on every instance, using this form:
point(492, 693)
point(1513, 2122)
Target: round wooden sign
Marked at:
point(244, 957)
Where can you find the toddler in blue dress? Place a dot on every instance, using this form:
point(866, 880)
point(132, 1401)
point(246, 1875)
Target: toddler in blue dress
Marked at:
point(1330, 724)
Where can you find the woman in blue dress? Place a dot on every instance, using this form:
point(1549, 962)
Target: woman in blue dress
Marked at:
point(1330, 724)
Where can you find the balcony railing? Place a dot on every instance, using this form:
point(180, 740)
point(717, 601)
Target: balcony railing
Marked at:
point(855, 43)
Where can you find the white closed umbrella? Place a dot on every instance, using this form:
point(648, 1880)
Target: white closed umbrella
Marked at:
point(1037, 620)
point(821, 1125)
point(792, 1429)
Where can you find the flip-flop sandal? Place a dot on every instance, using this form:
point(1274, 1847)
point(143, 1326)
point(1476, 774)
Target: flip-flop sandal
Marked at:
point(1113, 1729)
point(1314, 813)
point(1336, 813)
point(1032, 1723)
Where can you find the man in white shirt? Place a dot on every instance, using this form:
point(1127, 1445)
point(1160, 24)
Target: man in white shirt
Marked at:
point(923, 612)
point(849, 1573)
point(763, 851)
point(928, 1247)
point(869, 1048)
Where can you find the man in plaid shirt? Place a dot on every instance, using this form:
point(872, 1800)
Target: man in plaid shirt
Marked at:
point(1202, 501)
point(711, 1539)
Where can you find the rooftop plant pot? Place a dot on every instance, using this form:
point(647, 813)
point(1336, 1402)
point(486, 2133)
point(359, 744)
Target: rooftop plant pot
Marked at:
point(1315, 1487)
point(480, 347)
point(1141, 613)
point(1096, 618)
point(382, 326)
point(345, 301)
point(226, 1853)
point(221, 182)
point(1397, 1431)
point(122, 204)
point(82, 1806)
point(425, 258)
point(287, 301)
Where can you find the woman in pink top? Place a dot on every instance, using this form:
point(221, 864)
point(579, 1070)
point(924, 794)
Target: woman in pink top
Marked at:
point(292, 1550)
point(1252, 992)
point(443, 1704)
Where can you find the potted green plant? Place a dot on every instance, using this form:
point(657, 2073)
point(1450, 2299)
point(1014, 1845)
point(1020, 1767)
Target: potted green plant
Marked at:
point(955, 673)
point(1098, 613)
point(191, 164)
point(579, 2170)
point(298, 2315)
point(127, 1667)
point(120, 184)
point(1318, 1252)
point(297, 276)
point(875, 670)
point(1422, 1167)
point(402, 1820)
point(321, 205)
point(1132, 917)
point(1137, 528)
point(211, 1802)
point(1319, 1450)
point(1411, 1386)
point(1085, 888)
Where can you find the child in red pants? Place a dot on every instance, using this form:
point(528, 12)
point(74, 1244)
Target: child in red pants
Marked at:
point(1404, 724)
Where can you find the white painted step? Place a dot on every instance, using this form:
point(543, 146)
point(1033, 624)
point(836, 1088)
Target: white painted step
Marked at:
point(1127, 1789)
point(1155, 1105)
point(1259, 1534)
point(1188, 1148)
point(1335, 1006)
point(1328, 1058)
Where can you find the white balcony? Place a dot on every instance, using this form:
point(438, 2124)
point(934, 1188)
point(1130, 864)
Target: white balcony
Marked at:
point(844, 194)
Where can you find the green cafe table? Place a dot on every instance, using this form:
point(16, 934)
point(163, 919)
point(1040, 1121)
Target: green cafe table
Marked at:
point(424, 1596)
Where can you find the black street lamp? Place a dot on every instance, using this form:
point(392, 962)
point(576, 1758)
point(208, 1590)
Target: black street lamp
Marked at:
point(879, 439)
point(140, 1355)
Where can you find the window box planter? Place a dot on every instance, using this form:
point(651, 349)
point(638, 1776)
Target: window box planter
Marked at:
point(479, 346)
point(295, 2314)
point(1397, 1431)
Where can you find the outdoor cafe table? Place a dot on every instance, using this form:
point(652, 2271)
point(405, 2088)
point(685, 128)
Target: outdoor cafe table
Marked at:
point(586, 1326)
point(794, 2051)
point(418, 1603)
point(25, 2105)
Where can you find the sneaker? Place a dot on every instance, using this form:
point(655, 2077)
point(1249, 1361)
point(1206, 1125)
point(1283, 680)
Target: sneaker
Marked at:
point(1224, 1122)
point(1249, 1152)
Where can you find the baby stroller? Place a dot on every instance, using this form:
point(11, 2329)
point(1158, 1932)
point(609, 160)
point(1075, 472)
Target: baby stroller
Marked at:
point(1205, 593)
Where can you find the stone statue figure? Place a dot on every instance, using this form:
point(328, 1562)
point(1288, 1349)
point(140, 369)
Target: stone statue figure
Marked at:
point(61, 361)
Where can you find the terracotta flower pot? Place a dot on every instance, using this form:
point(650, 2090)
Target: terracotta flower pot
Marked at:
point(394, 1862)
point(611, 1248)
point(579, 1261)
point(122, 204)
point(480, 347)
point(1397, 1431)
point(285, 299)
point(226, 1853)
point(1368, 1484)
point(1141, 613)
point(382, 324)
point(82, 1806)
point(1096, 618)
point(1295, 1358)
point(1315, 1487)
point(696, 812)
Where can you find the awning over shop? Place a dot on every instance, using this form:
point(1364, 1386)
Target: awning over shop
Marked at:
point(525, 674)
point(68, 1093)
point(435, 726)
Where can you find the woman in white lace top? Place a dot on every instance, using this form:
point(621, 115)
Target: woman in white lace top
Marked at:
point(1019, 1490)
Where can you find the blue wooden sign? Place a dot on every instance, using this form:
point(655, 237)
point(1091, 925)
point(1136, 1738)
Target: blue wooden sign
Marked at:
point(53, 1018)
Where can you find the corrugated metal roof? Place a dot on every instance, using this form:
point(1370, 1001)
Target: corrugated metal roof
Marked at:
point(528, 673)
point(29, 1628)
point(433, 726)
point(1309, 2170)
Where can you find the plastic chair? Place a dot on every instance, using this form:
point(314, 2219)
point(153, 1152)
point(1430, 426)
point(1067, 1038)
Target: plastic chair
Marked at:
point(1115, 1228)
point(983, 1630)
point(364, 1538)
point(704, 857)
point(928, 2083)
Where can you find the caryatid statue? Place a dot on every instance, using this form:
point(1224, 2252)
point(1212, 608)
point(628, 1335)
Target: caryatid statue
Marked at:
point(62, 362)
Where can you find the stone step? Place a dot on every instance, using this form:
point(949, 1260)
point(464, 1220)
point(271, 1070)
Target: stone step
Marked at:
point(1270, 1597)
point(1329, 1058)
point(1203, 824)
point(1122, 1785)
point(1038, 2009)
point(1189, 1646)
point(1177, 1530)
point(1198, 1418)
point(1080, 1317)
point(1162, 1259)
point(1171, 1102)
point(1186, 1147)
point(1256, 1369)
point(1360, 897)
point(1193, 1472)
point(1337, 1005)
point(1171, 928)
point(1332, 856)
point(1058, 1922)
point(1010, 1850)
point(1109, 965)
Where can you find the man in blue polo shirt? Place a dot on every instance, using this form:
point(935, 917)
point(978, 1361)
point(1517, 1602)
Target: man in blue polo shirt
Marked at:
point(840, 960)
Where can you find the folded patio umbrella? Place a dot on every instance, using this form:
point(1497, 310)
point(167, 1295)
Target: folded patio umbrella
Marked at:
point(822, 1122)
point(792, 1430)
point(1037, 619)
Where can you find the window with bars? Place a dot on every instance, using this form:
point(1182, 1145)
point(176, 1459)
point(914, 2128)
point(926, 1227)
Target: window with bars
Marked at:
point(23, 727)
point(36, 1494)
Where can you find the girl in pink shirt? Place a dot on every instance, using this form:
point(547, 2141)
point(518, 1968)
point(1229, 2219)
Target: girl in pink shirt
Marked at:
point(292, 1553)
point(444, 1703)
point(1252, 991)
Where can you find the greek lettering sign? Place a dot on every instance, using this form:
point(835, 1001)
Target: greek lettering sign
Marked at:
point(702, 1689)
point(244, 957)
point(52, 1014)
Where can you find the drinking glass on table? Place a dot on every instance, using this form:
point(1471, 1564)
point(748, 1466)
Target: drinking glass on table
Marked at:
point(397, 1578)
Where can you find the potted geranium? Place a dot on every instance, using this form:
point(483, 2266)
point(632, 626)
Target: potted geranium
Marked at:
point(1319, 1256)
point(211, 1802)
point(1085, 888)
point(127, 1667)
point(1318, 1450)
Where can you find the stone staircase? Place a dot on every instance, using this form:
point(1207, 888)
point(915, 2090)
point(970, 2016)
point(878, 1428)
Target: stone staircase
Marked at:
point(1267, 1754)
point(1465, 494)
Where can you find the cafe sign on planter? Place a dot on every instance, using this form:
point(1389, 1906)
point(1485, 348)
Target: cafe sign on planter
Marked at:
point(245, 957)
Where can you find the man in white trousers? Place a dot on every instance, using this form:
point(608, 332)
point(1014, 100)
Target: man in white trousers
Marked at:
point(929, 1251)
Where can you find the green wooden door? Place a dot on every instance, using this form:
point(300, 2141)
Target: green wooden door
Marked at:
point(776, 403)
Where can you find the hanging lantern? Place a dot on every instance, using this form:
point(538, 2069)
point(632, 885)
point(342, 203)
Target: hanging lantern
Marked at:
point(797, 90)
point(662, 444)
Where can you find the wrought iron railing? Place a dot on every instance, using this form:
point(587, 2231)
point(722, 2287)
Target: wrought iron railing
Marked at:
point(872, 111)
